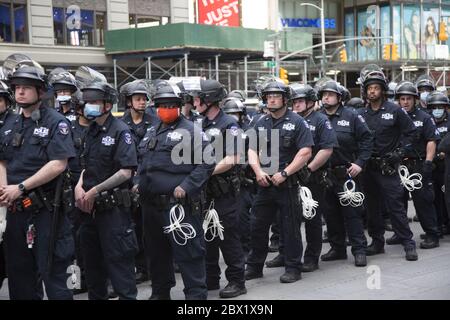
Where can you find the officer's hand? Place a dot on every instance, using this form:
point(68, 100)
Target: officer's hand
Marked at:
point(263, 179)
point(9, 194)
point(441, 156)
point(354, 170)
point(89, 199)
point(135, 188)
point(179, 193)
point(278, 179)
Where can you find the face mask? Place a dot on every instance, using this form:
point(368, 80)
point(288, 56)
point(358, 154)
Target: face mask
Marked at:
point(168, 115)
point(235, 117)
point(438, 113)
point(391, 99)
point(63, 99)
point(423, 96)
point(92, 111)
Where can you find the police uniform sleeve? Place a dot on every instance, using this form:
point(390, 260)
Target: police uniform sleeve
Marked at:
point(60, 145)
point(327, 138)
point(304, 136)
point(365, 140)
point(444, 146)
point(407, 127)
point(430, 131)
point(198, 177)
point(125, 153)
point(232, 140)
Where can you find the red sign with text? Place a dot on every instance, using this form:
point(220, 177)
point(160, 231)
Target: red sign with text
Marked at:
point(219, 12)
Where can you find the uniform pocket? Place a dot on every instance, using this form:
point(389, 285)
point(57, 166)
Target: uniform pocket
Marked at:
point(123, 245)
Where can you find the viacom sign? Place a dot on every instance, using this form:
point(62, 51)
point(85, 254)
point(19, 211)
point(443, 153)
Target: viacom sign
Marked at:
point(307, 23)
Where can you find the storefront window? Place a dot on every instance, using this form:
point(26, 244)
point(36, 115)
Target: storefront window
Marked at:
point(350, 32)
point(13, 22)
point(385, 28)
point(367, 48)
point(430, 23)
point(396, 27)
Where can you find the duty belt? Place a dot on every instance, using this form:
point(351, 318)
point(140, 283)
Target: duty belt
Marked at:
point(339, 172)
point(111, 199)
point(381, 164)
point(220, 185)
point(33, 202)
point(164, 201)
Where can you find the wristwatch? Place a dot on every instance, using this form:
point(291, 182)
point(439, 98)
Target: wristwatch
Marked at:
point(21, 187)
point(284, 174)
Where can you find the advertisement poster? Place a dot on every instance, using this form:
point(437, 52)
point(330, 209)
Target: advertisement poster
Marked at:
point(396, 28)
point(367, 48)
point(411, 32)
point(219, 12)
point(446, 19)
point(350, 32)
point(385, 21)
point(430, 24)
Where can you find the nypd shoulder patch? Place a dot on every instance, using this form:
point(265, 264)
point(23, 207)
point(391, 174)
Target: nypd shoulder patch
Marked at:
point(128, 139)
point(63, 128)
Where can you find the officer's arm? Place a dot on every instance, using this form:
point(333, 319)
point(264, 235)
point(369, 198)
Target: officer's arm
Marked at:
point(320, 159)
point(115, 180)
point(431, 150)
point(444, 146)
point(365, 141)
point(253, 160)
point(226, 164)
point(46, 174)
point(301, 159)
point(407, 128)
point(3, 180)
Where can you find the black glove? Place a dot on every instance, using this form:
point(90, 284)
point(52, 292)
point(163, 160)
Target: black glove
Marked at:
point(427, 169)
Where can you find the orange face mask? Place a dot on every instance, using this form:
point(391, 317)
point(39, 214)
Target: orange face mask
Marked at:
point(168, 115)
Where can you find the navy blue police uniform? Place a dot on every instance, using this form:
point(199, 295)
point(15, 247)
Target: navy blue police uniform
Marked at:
point(159, 175)
point(294, 135)
point(423, 198)
point(107, 236)
point(355, 146)
point(223, 189)
point(443, 128)
point(390, 125)
point(27, 147)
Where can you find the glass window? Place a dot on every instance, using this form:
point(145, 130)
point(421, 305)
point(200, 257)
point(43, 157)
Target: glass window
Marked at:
point(132, 21)
point(100, 27)
point(20, 22)
point(396, 27)
point(59, 25)
point(446, 18)
point(367, 48)
point(385, 25)
point(5, 22)
point(350, 32)
point(411, 32)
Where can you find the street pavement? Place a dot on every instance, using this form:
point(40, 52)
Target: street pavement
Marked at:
point(387, 276)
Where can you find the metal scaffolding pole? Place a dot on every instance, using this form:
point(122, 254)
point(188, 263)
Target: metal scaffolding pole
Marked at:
point(209, 68)
point(149, 68)
point(115, 73)
point(237, 78)
point(229, 78)
point(186, 70)
point(217, 66)
point(245, 75)
point(305, 71)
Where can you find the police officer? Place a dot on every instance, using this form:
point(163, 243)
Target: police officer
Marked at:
point(188, 110)
point(235, 108)
point(165, 182)
point(303, 99)
point(345, 95)
point(390, 92)
point(419, 159)
point(389, 124)
point(277, 181)
point(346, 163)
point(444, 147)
point(138, 120)
point(38, 239)
point(107, 236)
point(7, 119)
point(222, 190)
point(438, 103)
point(425, 85)
point(64, 85)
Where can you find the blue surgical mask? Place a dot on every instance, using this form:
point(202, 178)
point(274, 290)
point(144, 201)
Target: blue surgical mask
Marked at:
point(423, 96)
point(438, 113)
point(92, 111)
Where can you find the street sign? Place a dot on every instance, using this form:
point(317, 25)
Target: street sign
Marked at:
point(269, 64)
point(269, 49)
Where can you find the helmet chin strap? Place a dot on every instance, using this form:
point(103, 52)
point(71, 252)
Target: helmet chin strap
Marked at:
point(208, 106)
point(137, 110)
point(28, 105)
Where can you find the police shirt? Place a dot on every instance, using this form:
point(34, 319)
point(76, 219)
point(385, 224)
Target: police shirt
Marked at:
point(70, 115)
point(443, 126)
point(160, 173)
point(138, 130)
point(425, 131)
point(323, 134)
point(354, 138)
point(78, 135)
point(389, 125)
point(32, 144)
point(224, 127)
point(294, 134)
point(107, 149)
point(6, 128)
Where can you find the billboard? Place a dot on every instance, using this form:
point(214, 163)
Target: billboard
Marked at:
point(219, 12)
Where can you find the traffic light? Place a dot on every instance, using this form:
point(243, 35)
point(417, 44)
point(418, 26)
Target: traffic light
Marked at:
point(284, 75)
point(395, 56)
point(343, 55)
point(387, 52)
point(443, 35)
